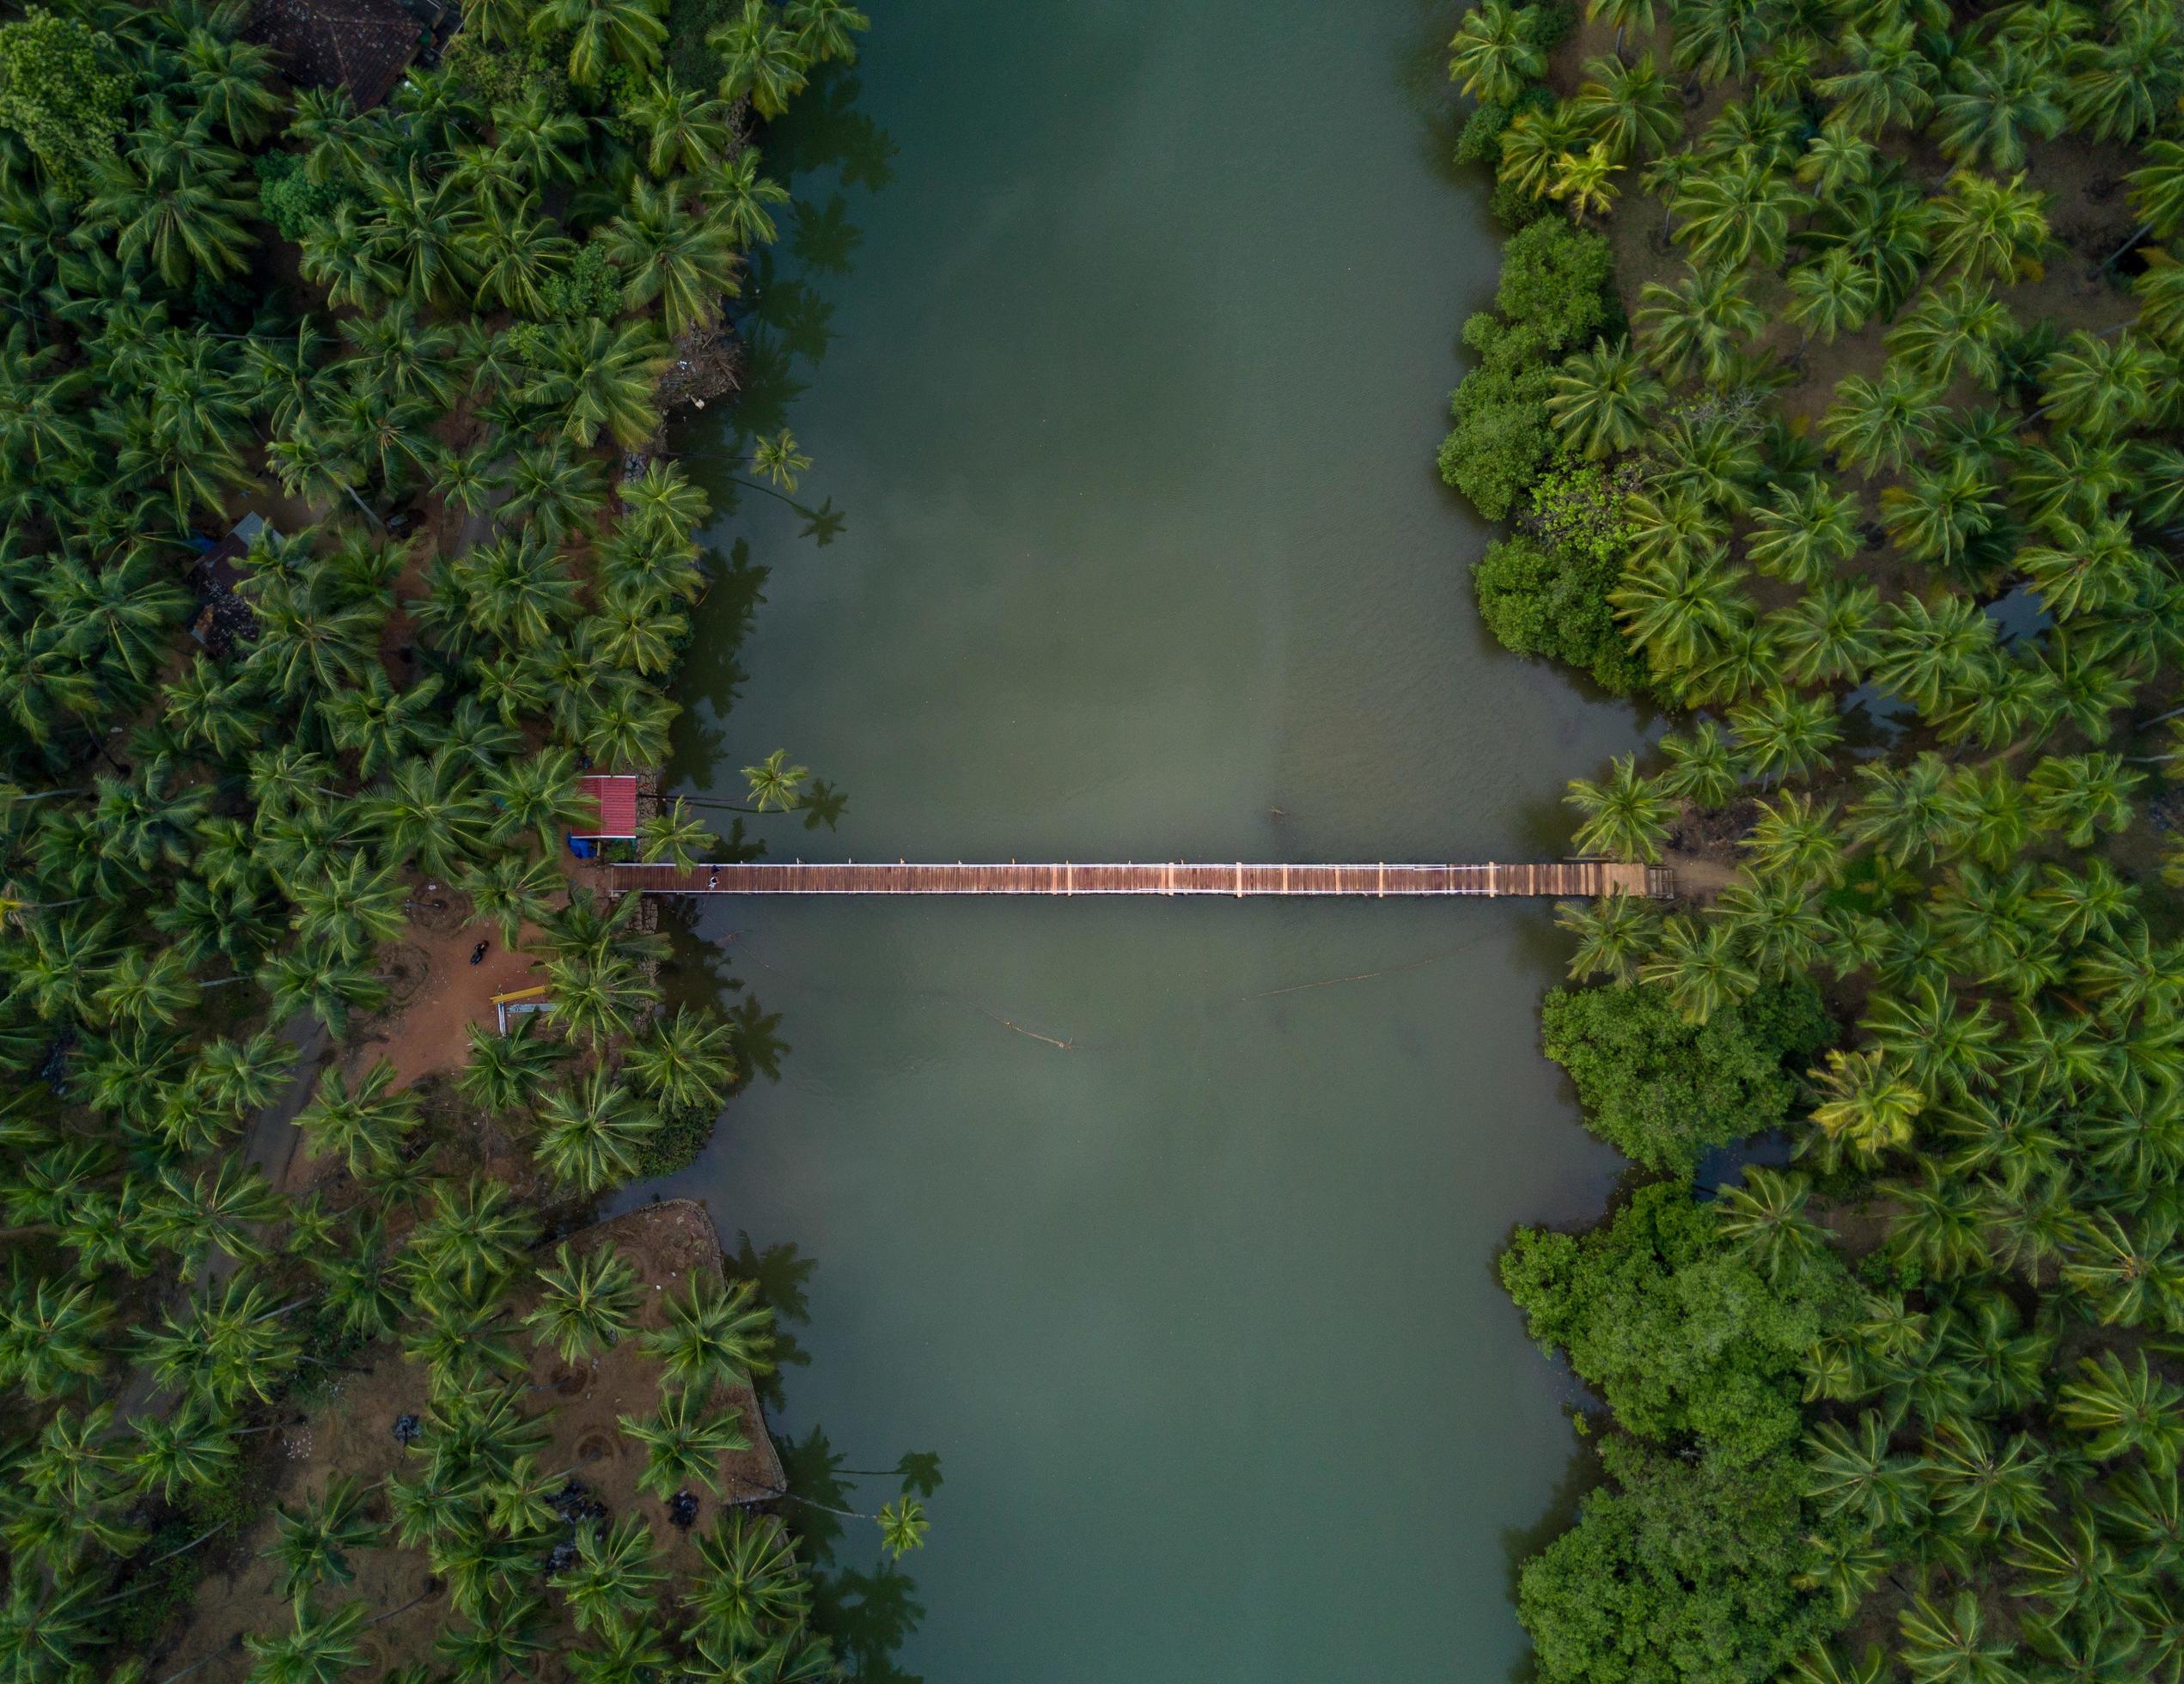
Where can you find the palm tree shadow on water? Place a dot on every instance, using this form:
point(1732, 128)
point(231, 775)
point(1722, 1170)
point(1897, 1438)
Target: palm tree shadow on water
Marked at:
point(785, 326)
point(867, 1612)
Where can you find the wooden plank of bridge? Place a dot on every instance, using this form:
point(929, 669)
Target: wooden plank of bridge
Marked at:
point(1588, 879)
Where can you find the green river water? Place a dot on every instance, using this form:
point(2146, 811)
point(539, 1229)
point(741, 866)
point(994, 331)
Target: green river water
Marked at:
point(1137, 360)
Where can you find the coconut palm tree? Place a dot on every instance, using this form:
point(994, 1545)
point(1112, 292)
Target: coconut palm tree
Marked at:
point(1956, 325)
point(714, 1332)
point(1600, 398)
point(2123, 1408)
point(512, 889)
point(1702, 766)
point(1887, 84)
point(1869, 1104)
point(603, 376)
point(53, 1334)
point(1720, 39)
point(1678, 612)
point(2101, 386)
point(363, 1124)
point(615, 1575)
point(670, 252)
point(586, 1303)
point(1737, 210)
point(312, 1542)
point(503, 1636)
point(474, 1235)
point(1764, 1220)
point(1954, 1644)
point(825, 29)
point(1625, 816)
point(228, 1343)
point(751, 1582)
point(603, 35)
point(686, 1062)
point(1830, 635)
point(597, 1000)
point(1699, 967)
point(591, 1131)
point(190, 1449)
point(1700, 326)
point(1612, 935)
point(350, 906)
point(1783, 736)
point(504, 1071)
point(1630, 109)
point(672, 832)
point(2082, 796)
point(429, 813)
point(1833, 296)
point(1876, 426)
point(1942, 515)
point(1850, 1474)
point(1534, 146)
point(1496, 53)
point(2118, 87)
point(324, 984)
point(763, 58)
point(688, 130)
point(683, 1443)
point(2000, 102)
point(1982, 228)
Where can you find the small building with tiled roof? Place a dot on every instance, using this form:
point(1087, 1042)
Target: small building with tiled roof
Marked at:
point(362, 46)
point(613, 797)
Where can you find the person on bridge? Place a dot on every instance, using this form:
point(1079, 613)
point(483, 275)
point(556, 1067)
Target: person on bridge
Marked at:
point(714, 881)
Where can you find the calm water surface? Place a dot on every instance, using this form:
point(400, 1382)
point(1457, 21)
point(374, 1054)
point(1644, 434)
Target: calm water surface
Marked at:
point(1135, 370)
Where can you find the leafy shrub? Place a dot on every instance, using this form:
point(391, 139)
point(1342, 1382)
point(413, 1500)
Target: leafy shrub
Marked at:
point(1501, 433)
point(501, 75)
point(54, 93)
point(1551, 301)
point(1682, 1336)
point(591, 286)
point(1554, 280)
point(291, 201)
point(676, 1143)
point(1661, 1090)
point(1677, 1571)
point(1541, 599)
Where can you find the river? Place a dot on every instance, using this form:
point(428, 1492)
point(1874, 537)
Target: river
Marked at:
point(1135, 367)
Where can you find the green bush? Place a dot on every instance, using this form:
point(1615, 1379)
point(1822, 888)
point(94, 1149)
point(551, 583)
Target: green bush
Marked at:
point(1554, 280)
point(1661, 1090)
point(1516, 209)
point(290, 201)
point(1551, 302)
point(1539, 599)
point(676, 1143)
point(1684, 1337)
point(56, 94)
point(591, 286)
point(1678, 1573)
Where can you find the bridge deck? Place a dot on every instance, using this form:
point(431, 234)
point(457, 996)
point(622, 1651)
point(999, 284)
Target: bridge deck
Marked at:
point(1584, 879)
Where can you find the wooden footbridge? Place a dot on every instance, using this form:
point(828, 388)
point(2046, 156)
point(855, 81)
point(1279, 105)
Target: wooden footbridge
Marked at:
point(1569, 879)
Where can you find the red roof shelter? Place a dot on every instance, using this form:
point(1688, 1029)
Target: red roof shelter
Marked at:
point(614, 796)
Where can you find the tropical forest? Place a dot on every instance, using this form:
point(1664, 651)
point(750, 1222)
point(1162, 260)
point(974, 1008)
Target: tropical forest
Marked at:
point(1831, 395)
point(1385, 802)
point(339, 543)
